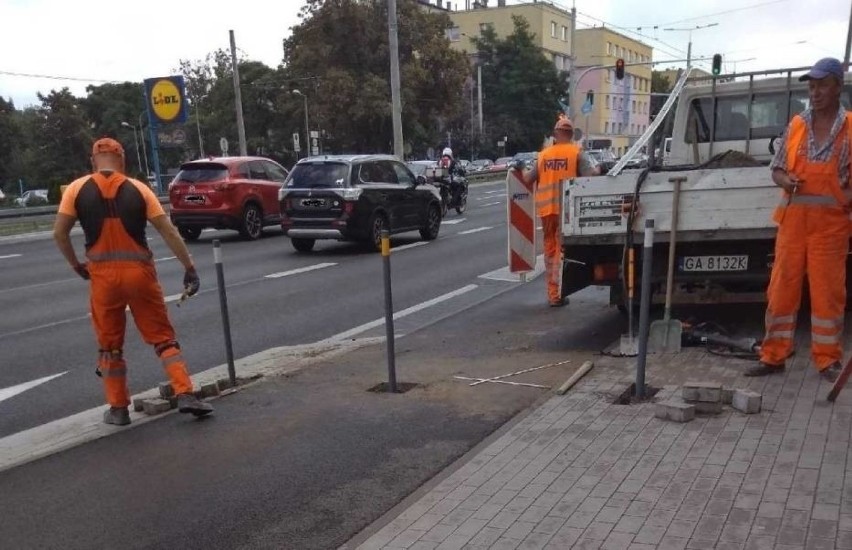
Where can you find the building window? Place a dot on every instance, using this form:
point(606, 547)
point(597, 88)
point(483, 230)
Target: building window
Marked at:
point(619, 127)
point(633, 107)
point(606, 127)
point(620, 105)
point(553, 29)
point(564, 33)
point(607, 102)
point(609, 75)
point(454, 34)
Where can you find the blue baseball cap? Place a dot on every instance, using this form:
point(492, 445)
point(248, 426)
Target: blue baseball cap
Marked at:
point(827, 66)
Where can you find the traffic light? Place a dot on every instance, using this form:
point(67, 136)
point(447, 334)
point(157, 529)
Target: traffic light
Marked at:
point(717, 64)
point(619, 69)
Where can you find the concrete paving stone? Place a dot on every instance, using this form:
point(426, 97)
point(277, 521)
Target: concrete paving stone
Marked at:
point(727, 545)
point(681, 528)
point(610, 514)
point(701, 544)
point(438, 533)
point(519, 530)
point(637, 546)
point(504, 519)
point(649, 494)
point(760, 543)
point(444, 506)
point(709, 527)
point(660, 518)
point(426, 522)
point(518, 504)
point(534, 541)
point(690, 512)
point(775, 494)
point(765, 526)
point(617, 541)
point(793, 535)
point(783, 481)
point(598, 530)
point(844, 539)
point(711, 471)
point(674, 411)
point(845, 521)
point(822, 528)
point(650, 535)
point(770, 510)
point(471, 526)
point(155, 406)
point(473, 502)
point(672, 543)
point(581, 519)
point(702, 391)
point(423, 545)
point(486, 537)
point(724, 493)
point(406, 538)
point(504, 543)
point(629, 524)
point(735, 533)
point(731, 479)
point(826, 512)
point(549, 525)
point(639, 508)
point(716, 507)
point(800, 502)
point(487, 512)
point(819, 544)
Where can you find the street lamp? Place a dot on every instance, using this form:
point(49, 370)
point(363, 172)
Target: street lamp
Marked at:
point(136, 139)
point(690, 29)
point(307, 127)
point(144, 147)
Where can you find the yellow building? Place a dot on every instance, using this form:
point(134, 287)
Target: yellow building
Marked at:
point(620, 108)
point(550, 25)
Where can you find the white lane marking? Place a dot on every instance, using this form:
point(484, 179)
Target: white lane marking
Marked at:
point(10, 256)
point(492, 191)
point(166, 259)
point(47, 325)
point(503, 273)
point(399, 315)
point(300, 270)
point(7, 393)
point(407, 246)
point(453, 221)
point(492, 203)
point(477, 230)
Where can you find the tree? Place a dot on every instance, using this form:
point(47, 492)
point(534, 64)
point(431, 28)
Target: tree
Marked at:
point(62, 142)
point(339, 55)
point(10, 142)
point(108, 105)
point(660, 84)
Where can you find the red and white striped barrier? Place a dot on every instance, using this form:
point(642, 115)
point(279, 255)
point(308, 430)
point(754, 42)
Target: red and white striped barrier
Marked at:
point(521, 212)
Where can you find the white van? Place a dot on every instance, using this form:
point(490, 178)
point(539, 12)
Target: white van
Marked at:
point(748, 115)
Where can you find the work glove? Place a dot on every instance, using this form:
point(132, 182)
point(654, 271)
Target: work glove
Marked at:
point(83, 270)
point(191, 282)
point(517, 165)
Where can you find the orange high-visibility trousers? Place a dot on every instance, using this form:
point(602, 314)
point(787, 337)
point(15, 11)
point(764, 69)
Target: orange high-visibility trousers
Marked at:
point(113, 289)
point(552, 230)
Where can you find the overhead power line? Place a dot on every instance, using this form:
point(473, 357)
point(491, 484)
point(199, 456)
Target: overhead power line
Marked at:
point(57, 77)
point(726, 12)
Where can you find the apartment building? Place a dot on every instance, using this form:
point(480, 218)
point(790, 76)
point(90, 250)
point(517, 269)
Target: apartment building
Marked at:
point(620, 109)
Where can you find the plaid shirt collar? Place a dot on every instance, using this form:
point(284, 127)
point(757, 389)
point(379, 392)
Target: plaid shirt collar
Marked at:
point(814, 147)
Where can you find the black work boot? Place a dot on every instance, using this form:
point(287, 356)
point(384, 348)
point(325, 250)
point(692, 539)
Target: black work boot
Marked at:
point(831, 372)
point(188, 403)
point(763, 369)
point(119, 416)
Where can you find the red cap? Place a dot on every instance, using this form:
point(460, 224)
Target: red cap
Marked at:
point(107, 145)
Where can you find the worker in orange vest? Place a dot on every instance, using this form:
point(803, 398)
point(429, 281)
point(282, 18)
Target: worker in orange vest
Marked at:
point(812, 166)
point(113, 211)
point(563, 160)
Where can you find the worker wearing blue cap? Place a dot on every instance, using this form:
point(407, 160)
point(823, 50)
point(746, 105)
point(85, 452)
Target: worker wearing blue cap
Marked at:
point(812, 167)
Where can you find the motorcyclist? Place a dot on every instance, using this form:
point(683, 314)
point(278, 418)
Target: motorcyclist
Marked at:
point(455, 173)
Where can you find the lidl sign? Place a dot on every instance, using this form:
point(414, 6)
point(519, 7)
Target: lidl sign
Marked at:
point(166, 98)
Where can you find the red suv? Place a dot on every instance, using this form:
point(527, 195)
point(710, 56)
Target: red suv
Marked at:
point(226, 193)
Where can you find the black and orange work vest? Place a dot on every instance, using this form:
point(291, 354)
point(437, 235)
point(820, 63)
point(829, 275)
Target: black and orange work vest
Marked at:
point(113, 215)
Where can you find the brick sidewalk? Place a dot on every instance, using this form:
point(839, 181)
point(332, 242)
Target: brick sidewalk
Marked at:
point(580, 472)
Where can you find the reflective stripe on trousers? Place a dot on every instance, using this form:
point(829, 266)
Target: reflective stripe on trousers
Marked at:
point(113, 371)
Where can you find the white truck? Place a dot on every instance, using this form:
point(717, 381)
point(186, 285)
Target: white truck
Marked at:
point(723, 136)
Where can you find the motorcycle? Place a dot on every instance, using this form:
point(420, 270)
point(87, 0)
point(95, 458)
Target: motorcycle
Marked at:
point(453, 195)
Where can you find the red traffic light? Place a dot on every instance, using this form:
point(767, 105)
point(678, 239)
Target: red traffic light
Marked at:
point(619, 68)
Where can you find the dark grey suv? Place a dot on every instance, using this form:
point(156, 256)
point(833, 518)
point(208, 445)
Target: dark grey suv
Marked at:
point(354, 197)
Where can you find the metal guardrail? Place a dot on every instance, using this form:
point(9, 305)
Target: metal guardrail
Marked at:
point(29, 211)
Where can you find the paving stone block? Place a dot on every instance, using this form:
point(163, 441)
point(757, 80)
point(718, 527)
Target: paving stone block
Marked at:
point(138, 404)
point(727, 395)
point(210, 390)
point(155, 406)
point(166, 390)
point(747, 401)
point(708, 392)
point(675, 411)
point(224, 384)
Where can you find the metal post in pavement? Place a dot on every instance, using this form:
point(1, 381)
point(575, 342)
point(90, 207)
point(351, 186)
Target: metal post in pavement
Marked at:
point(223, 305)
point(389, 311)
point(644, 307)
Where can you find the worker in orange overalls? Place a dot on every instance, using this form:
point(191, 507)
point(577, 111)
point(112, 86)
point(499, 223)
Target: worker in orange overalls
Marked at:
point(113, 211)
point(559, 162)
point(812, 167)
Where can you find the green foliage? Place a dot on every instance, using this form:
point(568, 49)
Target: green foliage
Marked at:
point(521, 87)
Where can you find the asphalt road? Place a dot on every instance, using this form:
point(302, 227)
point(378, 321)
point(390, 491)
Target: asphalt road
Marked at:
point(46, 329)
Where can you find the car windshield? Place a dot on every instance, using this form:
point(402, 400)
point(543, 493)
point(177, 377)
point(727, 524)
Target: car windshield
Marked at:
point(202, 172)
point(318, 175)
point(418, 169)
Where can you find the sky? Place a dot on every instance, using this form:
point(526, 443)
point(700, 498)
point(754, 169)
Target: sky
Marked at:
point(91, 41)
